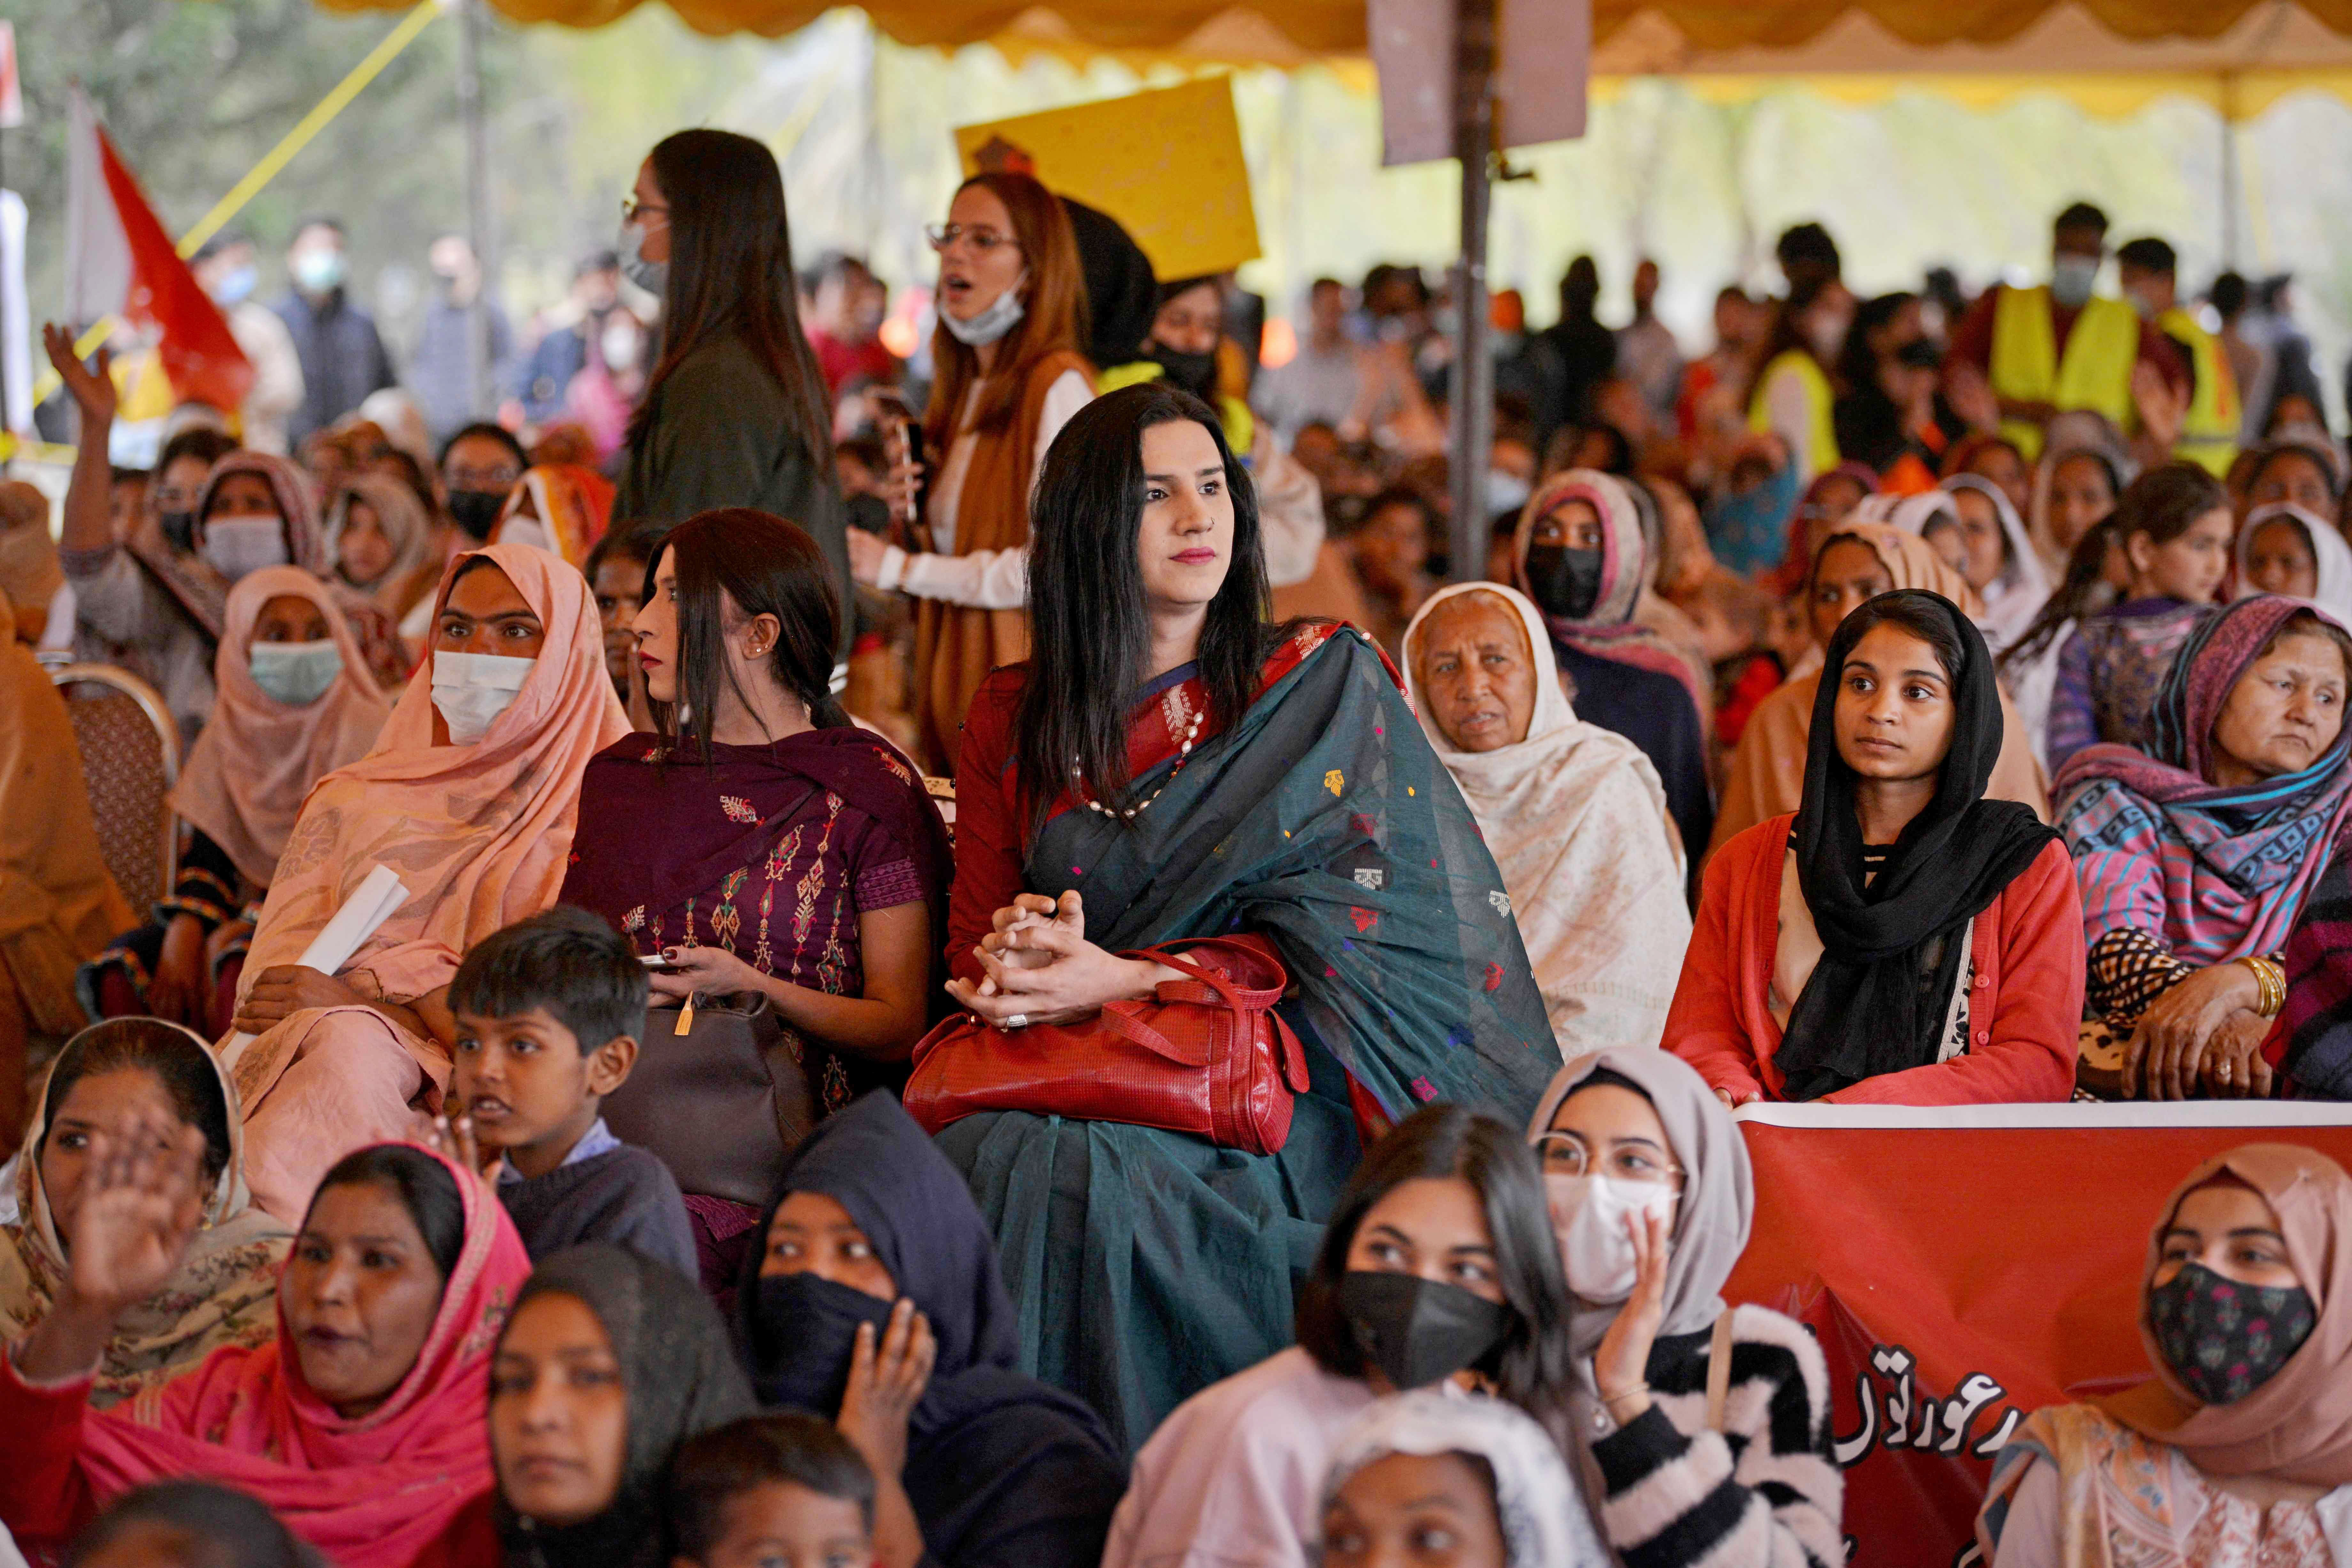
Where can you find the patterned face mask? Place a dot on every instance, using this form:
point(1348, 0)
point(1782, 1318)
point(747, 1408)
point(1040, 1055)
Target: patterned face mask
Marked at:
point(2223, 1339)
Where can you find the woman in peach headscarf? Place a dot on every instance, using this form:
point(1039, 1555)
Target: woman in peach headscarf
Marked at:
point(2238, 1452)
point(1858, 561)
point(470, 798)
point(293, 702)
point(560, 507)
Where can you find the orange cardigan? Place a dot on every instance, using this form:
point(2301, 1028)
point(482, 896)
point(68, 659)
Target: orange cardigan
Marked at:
point(2024, 1017)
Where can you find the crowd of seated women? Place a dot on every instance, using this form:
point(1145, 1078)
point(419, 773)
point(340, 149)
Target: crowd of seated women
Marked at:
point(491, 1244)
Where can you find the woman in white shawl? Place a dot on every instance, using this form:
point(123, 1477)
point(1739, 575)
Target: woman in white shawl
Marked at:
point(1574, 813)
point(2286, 549)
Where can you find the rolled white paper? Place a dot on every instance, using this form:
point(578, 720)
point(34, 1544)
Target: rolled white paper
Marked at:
point(369, 905)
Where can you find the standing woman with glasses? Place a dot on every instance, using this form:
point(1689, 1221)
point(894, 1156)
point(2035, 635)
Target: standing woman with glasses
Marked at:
point(1010, 375)
point(735, 412)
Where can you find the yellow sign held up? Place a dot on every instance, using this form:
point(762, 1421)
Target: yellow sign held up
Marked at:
point(1166, 164)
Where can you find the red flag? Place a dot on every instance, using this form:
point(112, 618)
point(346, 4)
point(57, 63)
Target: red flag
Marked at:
point(122, 263)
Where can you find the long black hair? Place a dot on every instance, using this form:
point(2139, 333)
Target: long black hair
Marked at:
point(1534, 1368)
point(1089, 630)
point(2076, 597)
point(732, 566)
point(731, 271)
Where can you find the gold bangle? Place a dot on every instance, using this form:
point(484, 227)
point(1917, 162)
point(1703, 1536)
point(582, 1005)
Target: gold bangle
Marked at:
point(2270, 982)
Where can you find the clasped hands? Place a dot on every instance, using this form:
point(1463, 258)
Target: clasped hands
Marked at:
point(1038, 966)
point(2201, 1039)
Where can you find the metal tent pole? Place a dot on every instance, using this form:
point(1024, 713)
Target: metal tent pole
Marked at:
point(479, 360)
point(1471, 414)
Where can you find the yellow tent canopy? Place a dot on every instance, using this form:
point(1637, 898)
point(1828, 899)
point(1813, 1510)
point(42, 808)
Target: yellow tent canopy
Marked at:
point(1282, 32)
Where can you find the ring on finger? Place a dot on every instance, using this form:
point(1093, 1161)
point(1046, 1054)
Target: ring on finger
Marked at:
point(1017, 1021)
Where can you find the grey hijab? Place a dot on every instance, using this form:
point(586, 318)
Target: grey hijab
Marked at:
point(1718, 1191)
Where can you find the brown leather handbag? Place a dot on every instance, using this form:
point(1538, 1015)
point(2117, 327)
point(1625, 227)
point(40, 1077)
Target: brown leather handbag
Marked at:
point(1207, 1055)
point(722, 1104)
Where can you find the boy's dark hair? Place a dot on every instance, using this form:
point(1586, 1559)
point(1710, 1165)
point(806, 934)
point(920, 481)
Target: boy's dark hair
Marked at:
point(2148, 254)
point(713, 1466)
point(207, 1525)
point(2081, 216)
point(565, 959)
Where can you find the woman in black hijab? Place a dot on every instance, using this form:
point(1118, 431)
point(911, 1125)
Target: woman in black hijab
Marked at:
point(1901, 939)
point(609, 1362)
point(875, 1270)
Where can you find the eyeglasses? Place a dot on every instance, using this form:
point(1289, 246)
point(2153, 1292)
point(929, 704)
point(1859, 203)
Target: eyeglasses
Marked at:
point(1564, 1154)
point(460, 478)
point(982, 240)
point(631, 208)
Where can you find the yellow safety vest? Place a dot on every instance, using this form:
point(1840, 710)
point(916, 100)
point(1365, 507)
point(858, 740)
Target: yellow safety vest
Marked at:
point(1820, 438)
point(1241, 425)
point(2096, 372)
point(2209, 433)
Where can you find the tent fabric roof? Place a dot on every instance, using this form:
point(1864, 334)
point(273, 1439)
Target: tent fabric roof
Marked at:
point(1289, 32)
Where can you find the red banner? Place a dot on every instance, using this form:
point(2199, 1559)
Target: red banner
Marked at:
point(1965, 1266)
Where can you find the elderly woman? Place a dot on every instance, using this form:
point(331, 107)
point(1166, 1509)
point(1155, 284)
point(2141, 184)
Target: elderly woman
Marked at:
point(2235, 1455)
point(2196, 857)
point(1574, 814)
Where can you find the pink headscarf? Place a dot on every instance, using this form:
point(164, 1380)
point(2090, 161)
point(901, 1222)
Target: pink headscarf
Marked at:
point(306, 546)
point(248, 772)
point(1610, 631)
point(479, 835)
point(370, 1492)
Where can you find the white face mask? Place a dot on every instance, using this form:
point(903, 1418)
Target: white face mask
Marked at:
point(236, 545)
point(471, 689)
point(620, 346)
point(2071, 278)
point(1003, 313)
point(1588, 1214)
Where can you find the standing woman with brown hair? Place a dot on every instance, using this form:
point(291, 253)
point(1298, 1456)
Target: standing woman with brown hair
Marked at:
point(1010, 375)
point(735, 413)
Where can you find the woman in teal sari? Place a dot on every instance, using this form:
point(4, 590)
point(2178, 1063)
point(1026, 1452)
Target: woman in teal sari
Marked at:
point(1166, 766)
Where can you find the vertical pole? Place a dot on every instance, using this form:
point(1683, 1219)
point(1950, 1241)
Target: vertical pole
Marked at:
point(1471, 424)
point(479, 363)
point(6, 428)
point(2231, 177)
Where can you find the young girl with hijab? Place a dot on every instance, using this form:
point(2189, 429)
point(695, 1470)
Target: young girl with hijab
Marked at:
point(384, 544)
point(1422, 1465)
point(360, 1424)
point(2236, 1453)
point(1439, 1266)
point(2286, 549)
point(292, 704)
point(1991, 455)
point(470, 795)
point(1581, 557)
point(1342, 839)
point(2083, 471)
point(609, 1362)
point(222, 1291)
point(257, 510)
point(2004, 567)
point(1766, 777)
point(1572, 813)
point(1652, 1198)
point(798, 858)
point(874, 1300)
point(2176, 527)
point(1902, 939)
point(2197, 857)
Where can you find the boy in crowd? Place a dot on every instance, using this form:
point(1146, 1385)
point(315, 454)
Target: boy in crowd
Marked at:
point(786, 1489)
point(548, 1011)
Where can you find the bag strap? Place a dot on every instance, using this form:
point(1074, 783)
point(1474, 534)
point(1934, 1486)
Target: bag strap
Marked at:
point(1719, 1371)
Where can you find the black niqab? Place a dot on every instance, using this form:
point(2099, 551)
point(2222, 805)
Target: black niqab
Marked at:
point(1891, 953)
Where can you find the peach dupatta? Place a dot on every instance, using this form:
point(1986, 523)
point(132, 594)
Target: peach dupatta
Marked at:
point(257, 759)
point(479, 835)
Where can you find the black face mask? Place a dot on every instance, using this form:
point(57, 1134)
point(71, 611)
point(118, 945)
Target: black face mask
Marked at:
point(1417, 1331)
point(1196, 373)
point(179, 530)
point(2223, 1340)
point(1564, 583)
point(807, 1331)
point(476, 511)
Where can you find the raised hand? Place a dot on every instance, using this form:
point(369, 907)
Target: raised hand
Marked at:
point(1621, 1364)
point(92, 390)
point(141, 1199)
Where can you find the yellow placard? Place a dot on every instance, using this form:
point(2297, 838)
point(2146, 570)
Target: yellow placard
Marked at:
point(1166, 164)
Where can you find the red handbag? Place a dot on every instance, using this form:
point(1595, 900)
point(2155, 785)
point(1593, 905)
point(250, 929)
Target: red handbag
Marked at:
point(1207, 1055)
